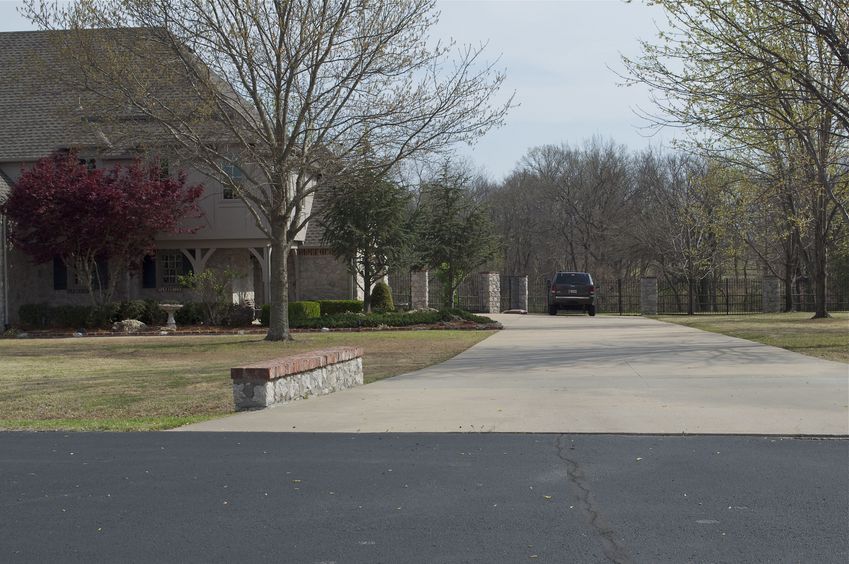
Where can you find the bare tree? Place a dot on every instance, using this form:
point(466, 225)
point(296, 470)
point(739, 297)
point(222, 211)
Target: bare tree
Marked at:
point(743, 75)
point(281, 90)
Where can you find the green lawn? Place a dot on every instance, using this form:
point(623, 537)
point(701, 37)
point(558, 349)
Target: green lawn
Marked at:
point(148, 383)
point(823, 338)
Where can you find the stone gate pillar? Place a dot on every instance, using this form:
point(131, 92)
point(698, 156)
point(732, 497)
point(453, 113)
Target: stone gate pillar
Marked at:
point(418, 289)
point(771, 295)
point(490, 292)
point(648, 296)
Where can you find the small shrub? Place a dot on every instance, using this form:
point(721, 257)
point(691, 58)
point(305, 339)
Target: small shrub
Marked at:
point(192, 313)
point(303, 310)
point(44, 316)
point(332, 307)
point(34, 316)
point(153, 314)
point(381, 297)
point(213, 288)
point(391, 319)
point(133, 309)
point(239, 316)
point(96, 317)
point(297, 311)
point(72, 316)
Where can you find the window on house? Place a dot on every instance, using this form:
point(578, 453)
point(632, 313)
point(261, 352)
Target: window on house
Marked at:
point(90, 163)
point(236, 177)
point(60, 274)
point(169, 265)
point(74, 279)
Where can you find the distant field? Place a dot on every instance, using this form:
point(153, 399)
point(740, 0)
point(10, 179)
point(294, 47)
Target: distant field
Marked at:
point(823, 338)
point(148, 383)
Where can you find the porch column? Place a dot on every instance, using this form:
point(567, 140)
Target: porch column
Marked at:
point(648, 296)
point(198, 258)
point(263, 257)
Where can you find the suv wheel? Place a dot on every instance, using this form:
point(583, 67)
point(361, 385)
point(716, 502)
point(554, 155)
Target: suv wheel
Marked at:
point(591, 310)
point(552, 310)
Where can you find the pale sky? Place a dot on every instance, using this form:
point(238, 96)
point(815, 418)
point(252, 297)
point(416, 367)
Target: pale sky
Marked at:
point(556, 56)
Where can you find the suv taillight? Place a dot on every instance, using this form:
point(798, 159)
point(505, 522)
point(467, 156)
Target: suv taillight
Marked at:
point(592, 289)
point(554, 288)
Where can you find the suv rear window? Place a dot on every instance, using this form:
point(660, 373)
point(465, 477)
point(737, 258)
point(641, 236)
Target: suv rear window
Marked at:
point(572, 278)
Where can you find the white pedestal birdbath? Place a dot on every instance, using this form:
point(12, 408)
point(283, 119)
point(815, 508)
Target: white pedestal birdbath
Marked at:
point(170, 309)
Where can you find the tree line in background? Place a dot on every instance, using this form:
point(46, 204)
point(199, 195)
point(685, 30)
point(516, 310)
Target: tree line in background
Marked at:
point(296, 90)
point(686, 218)
point(759, 187)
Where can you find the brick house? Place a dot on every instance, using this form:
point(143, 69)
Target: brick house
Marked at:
point(41, 115)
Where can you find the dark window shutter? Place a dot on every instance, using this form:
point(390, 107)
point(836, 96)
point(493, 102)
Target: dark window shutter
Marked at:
point(60, 274)
point(148, 272)
point(187, 265)
point(101, 271)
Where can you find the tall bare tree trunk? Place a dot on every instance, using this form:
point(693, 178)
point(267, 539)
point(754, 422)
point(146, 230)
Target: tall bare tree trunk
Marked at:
point(819, 269)
point(278, 324)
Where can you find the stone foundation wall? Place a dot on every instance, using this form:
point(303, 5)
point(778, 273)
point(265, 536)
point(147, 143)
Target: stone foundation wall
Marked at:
point(260, 393)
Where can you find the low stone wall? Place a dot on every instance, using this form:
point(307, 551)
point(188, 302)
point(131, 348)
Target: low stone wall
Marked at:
point(281, 380)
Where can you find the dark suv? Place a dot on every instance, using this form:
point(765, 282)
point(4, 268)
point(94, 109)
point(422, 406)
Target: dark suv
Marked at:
point(571, 290)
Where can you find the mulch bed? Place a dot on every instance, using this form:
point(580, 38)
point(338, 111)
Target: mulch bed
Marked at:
point(254, 330)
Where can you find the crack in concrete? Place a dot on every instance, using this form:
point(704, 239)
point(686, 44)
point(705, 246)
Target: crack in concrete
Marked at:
point(614, 551)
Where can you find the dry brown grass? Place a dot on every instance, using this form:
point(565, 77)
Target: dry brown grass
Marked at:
point(142, 383)
point(822, 338)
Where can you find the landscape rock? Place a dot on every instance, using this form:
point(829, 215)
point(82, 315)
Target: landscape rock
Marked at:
point(129, 326)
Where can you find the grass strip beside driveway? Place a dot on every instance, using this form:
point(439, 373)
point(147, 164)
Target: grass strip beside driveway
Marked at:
point(796, 331)
point(151, 383)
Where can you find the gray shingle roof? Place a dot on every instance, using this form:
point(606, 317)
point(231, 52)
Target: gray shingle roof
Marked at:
point(37, 110)
point(49, 102)
point(315, 231)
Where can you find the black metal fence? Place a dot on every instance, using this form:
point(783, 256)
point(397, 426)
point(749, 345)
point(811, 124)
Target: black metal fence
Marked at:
point(836, 296)
point(511, 286)
point(467, 296)
point(621, 296)
point(401, 284)
point(717, 297)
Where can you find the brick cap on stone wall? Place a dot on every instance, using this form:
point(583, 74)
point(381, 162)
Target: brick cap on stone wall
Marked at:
point(277, 368)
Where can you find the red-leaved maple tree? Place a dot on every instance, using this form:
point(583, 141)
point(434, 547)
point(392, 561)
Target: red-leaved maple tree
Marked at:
point(62, 208)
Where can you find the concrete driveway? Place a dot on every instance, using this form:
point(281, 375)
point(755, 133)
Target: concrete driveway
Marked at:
point(577, 374)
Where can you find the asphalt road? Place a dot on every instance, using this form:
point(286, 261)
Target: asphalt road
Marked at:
point(231, 497)
point(581, 374)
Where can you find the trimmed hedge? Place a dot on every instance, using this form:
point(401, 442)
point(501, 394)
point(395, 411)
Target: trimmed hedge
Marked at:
point(297, 311)
point(239, 316)
point(191, 313)
point(44, 316)
point(400, 319)
point(332, 307)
